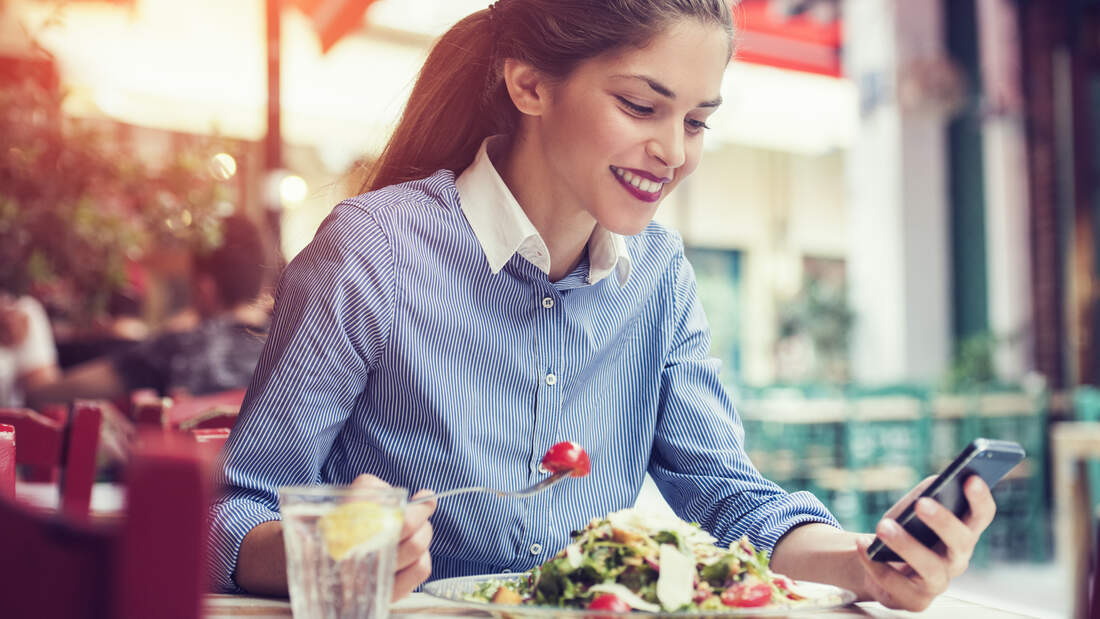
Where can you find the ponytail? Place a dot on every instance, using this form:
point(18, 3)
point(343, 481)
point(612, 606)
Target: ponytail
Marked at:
point(458, 100)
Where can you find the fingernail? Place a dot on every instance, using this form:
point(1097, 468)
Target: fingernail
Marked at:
point(888, 528)
point(925, 507)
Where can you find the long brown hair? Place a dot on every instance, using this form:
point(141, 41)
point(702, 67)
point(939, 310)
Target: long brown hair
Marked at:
point(460, 98)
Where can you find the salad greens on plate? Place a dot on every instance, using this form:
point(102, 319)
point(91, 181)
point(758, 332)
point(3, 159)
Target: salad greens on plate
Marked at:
point(636, 561)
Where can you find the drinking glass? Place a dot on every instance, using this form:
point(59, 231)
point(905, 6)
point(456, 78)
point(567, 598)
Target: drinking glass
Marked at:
point(341, 549)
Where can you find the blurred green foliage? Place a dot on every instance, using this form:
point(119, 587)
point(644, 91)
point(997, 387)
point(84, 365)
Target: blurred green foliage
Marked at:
point(76, 204)
point(820, 311)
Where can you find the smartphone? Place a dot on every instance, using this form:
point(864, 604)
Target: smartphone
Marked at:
point(987, 458)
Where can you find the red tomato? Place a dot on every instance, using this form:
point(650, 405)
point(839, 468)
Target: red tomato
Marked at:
point(566, 456)
point(747, 595)
point(609, 601)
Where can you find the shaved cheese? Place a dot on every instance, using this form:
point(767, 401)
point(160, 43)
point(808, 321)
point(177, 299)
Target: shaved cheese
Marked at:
point(676, 581)
point(652, 523)
point(575, 556)
point(625, 595)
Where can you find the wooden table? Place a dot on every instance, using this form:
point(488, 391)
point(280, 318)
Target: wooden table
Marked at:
point(420, 605)
point(1072, 444)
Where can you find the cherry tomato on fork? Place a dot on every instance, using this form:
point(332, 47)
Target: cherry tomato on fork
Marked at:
point(566, 456)
point(609, 602)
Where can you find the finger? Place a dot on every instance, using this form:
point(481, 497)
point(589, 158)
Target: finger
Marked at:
point(909, 497)
point(417, 544)
point(929, 566)
point(416, 515)
point(958, 539)
point(982, 505)
point(889, 586)
point(408, 579)
point(366, 480)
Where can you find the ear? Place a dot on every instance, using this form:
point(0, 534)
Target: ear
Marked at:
point(527, 87)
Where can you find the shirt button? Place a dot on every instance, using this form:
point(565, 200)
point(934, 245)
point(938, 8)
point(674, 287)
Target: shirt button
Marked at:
point(506, 571)
point(536, 549)
point(547, 302)
point(551, 379)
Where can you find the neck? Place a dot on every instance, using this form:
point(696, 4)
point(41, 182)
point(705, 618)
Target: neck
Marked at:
point(562, 224)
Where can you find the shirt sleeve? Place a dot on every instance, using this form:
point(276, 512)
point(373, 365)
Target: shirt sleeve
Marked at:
point(38, 349)
point(333, 313)
point(699, 461)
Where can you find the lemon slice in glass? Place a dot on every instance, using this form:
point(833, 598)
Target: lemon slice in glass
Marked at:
point(359, 526)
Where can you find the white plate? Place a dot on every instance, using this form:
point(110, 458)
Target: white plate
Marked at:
point(821, 597)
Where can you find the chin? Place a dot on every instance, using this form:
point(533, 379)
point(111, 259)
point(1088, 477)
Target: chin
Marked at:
point(628, 226)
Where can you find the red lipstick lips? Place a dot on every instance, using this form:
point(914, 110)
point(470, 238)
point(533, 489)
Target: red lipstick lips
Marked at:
point(638, 193)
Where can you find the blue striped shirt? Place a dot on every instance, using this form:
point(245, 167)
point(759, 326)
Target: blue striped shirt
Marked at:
point(396, 350)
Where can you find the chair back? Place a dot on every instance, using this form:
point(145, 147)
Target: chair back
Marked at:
point(214, 437)
point(213, 410)
point(149, 565)
point(42, 439)
point(148, 409)
point(47, 446)
point(7, 460)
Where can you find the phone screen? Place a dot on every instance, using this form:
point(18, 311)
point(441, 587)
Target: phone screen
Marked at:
point(987, 458)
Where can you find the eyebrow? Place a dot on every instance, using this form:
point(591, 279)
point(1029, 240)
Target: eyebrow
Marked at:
point(663, 90)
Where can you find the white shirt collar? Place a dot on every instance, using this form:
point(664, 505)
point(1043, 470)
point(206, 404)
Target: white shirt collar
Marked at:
point(503, 228)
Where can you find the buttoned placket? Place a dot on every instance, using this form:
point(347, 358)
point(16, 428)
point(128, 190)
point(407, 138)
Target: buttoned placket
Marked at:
point(548, 325)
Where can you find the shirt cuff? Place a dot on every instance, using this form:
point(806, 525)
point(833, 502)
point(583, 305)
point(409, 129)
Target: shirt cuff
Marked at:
point(783, 513)
point(230, 521)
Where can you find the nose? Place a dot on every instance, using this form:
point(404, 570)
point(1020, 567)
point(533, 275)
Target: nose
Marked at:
point(668, 147)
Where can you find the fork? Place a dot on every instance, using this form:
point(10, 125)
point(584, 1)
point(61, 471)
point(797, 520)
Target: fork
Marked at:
point(518, 494)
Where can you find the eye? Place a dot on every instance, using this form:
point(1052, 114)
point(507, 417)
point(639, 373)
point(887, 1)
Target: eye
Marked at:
point(695, 126)
point(641, 110)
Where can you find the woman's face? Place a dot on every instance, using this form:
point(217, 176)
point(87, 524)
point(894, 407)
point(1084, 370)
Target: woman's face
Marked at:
point(624, 129)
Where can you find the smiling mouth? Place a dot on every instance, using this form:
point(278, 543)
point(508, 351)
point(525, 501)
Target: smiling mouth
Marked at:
point(641, 188)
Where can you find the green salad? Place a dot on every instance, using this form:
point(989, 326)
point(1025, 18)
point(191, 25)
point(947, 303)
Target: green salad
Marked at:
point(635, 561)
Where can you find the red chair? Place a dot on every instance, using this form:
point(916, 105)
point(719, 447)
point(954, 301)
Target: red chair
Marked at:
point(147, 408)
point(214, 410)
point(215, 437)
point(45, 445)
point(149, 565)
point(7, 460)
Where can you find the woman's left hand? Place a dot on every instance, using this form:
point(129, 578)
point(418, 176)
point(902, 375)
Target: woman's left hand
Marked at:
point(926, 572)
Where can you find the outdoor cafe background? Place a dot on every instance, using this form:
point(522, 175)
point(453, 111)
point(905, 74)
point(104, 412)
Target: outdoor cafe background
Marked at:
point(893, 227)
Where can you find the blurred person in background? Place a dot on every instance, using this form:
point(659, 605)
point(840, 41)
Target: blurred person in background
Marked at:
point(218, 354)
point(122, 327)
point(28, 357)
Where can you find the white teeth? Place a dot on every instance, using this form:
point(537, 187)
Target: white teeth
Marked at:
point(643, 184)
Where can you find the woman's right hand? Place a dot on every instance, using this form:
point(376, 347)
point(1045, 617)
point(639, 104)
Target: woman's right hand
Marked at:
point(414, 564)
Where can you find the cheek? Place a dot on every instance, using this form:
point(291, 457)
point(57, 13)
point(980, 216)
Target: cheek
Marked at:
point(691, 161)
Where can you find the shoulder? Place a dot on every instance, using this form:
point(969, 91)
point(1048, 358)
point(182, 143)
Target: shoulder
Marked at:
point(431, 193)
point(362, 223)
point(656, 251)
point(32, 309)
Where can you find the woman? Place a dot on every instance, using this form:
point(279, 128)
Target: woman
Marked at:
point(512, 292)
